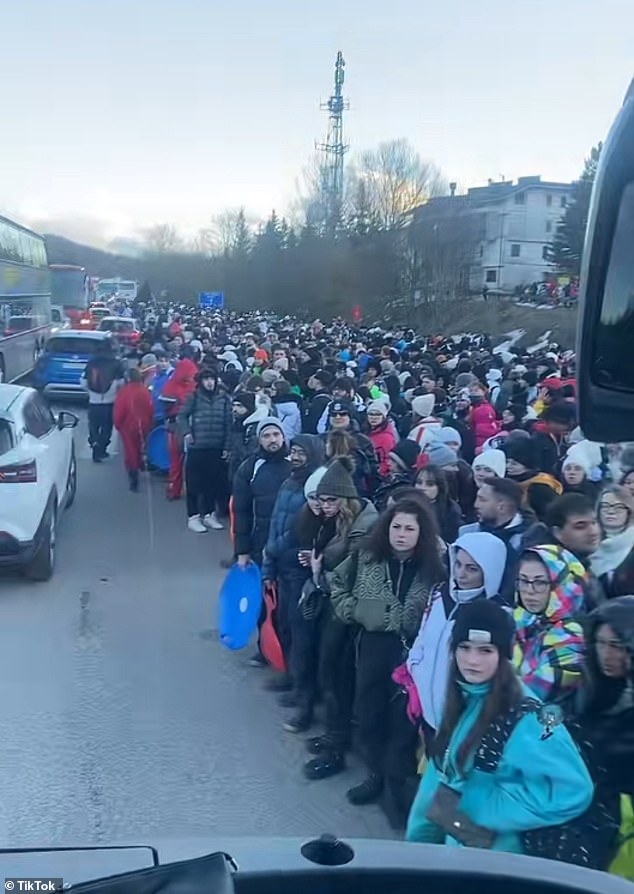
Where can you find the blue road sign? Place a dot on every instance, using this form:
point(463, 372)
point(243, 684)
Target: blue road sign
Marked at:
point(212, 299)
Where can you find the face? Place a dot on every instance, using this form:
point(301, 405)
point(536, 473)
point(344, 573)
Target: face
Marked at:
point(466, 571)
point(581, 534)
point(330, 506)
point(428, 384)
point(533, 586)
point(487, 504)
point(339, 393)
point(239, 410)
point(477, 662)
point(481, 473)
point(628, 483)
point(573, 474)
point(613, 513)
point(404, 531)
point(507, 417)
point(314, 504)
point(375, 419)
point(340, 420)
point(298, 457)
point(280, 354)
point(208, 383)
point(513, 468)
point(163, 364)
point(271, 439)
point(428, 487)
point(612, 656)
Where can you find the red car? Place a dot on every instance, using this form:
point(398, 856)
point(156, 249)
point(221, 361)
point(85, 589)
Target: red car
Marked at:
point(125, 330)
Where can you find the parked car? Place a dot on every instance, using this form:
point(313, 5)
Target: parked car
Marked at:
point(38, 479)
point(58, 369)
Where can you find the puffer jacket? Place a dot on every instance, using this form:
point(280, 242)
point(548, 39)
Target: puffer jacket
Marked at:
point(384, 441)
point(208, 419)
point(549, 648)
point(382, 597)
point(279, 555)
point(288, 410)
point(484, 423)
point(340, 545)
point(255, 489)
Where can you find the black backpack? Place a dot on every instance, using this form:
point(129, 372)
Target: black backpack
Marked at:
point(584, 841)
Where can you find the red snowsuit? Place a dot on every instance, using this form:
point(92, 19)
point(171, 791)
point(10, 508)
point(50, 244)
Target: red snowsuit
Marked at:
point(133, 419)
point(484, 423)
point(384, 441)
point(178, 387)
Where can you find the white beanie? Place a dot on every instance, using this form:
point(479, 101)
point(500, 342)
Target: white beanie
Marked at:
point(584, 454)
point(423, 405)
point(312, 482)
point(378, 406)
point(493, 459)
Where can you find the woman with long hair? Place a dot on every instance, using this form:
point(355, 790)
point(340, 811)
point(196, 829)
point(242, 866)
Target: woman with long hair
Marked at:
point(613, 560)
point(433, 483)
point(471, 796)
point(384, 589)
point(347, 519)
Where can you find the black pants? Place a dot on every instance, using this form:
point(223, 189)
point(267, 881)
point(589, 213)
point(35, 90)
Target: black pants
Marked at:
point(387, 739)
point(100, 421)
point(301, 638)
point(205, 472)
point(337, 676)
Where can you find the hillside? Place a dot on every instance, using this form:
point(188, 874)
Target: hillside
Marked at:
point(96, 262)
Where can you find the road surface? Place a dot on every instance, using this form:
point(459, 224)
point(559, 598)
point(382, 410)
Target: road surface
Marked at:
point(121, 715)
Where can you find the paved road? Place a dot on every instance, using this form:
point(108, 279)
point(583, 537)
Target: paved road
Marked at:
point(121, 716)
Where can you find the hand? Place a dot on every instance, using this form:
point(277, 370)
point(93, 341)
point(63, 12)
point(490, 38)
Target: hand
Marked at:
point(303, 557)
point(244, 561)
point(316, 563)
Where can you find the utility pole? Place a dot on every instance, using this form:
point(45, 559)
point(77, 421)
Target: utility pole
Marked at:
point(334, 149)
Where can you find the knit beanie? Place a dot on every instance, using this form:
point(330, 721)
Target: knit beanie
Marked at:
point(485, 623)
point(449, 435)
point(492, 459)
point(337, 480)
point(441, 455)
point(582, 454)
point(423, 405)
point(377, 406)
point(312, 482)
point(406, 454)
point(267, 421)
point(245, 399)
point(522, 450)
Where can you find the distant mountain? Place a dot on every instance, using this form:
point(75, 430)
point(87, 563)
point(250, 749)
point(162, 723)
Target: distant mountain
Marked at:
point(97, 263)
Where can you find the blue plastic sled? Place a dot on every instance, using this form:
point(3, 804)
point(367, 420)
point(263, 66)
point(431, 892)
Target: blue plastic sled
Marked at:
point(239, 606)
point(157, 452)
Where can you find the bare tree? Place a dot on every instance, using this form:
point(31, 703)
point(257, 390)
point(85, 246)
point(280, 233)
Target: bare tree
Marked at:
point(396, 180)
point(162, 238)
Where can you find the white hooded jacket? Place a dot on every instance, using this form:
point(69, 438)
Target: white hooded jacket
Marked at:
point(428, 659)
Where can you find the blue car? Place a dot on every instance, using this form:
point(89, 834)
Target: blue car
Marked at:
point(59, 368)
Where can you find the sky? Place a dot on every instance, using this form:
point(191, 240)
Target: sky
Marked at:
point(121, 114)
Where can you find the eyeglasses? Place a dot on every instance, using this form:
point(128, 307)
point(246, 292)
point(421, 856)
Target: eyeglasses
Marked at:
point(328, 501)
point(610, 508)
point(539, 585)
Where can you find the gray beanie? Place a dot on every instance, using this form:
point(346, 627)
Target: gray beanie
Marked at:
point(269, 420)
point(441, 455)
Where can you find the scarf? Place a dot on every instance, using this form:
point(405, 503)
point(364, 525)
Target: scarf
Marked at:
point(612, 552)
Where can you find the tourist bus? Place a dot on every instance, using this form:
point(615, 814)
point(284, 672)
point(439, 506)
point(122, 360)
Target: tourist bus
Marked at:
point(124, 290)
point(70, 289)
point(25, 299)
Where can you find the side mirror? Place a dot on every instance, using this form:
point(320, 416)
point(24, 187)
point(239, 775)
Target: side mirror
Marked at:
point(605, 336)
point(67, 420)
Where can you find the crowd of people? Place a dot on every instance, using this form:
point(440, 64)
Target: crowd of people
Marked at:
point(454, 561)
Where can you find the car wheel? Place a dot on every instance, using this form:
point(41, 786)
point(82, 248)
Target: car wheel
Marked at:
point(42, 565)
point(71, 481)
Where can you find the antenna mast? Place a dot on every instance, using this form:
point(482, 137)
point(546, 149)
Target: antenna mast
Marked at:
point(334, 149)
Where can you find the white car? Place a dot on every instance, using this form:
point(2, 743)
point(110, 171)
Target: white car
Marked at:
point(38, 478)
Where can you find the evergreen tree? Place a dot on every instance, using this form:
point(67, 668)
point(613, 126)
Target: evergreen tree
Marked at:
point(567, 246)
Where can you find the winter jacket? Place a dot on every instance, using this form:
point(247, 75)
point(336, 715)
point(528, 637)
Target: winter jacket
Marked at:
point(179, 387)
point(314, 409)
point(549, 648)
point(255, 489)
point(449, 517)
point(538, 782)
point(382, 597)
point(341, 545)
point(207, 418)
point(243, 442)
point(384, 441)
point(288, 411)
point(484, 423)
point(290, 500)
point(429, 657)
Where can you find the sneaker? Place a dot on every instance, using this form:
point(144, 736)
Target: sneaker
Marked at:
point(367, 792)
point(211, 521)
point(329, 764)
point(195, 524)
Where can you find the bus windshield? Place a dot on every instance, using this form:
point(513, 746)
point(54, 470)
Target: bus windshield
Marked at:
point(68, 286)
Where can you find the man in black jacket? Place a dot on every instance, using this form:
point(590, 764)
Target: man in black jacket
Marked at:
point(319, 383)
point(255, 489)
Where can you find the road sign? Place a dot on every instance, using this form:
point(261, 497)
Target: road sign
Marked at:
point(212, 300)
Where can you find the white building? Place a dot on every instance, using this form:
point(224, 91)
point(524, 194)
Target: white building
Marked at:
point(510, 226)
point(520, 221)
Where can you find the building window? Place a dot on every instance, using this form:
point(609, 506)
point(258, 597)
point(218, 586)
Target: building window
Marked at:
point(546, 253)
point(520, 198)
point(492, 276)
point(563, 201)
point(515, 250)
point(549, 200)
point(549, 226)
